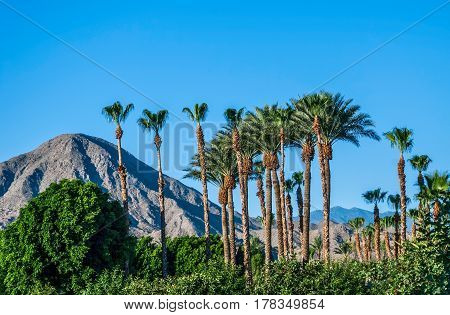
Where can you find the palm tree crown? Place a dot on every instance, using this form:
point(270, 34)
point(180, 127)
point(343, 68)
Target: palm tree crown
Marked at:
point(400, 138)
point(420, 162)
point(198, 113)
point(153, 121)
point(297, 178)
point(116, 113)
point(374, 196)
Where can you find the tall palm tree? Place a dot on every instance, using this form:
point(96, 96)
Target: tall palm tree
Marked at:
point(260, 125)
point(289, 187)
point(155, 122)
point(402, 139)
point(258, 171)
point(375, 197)
point(234, 120)
point(395, 202)
point(197, 115)
point(304, 137)
point(335, 119)
point(436, 190)
point(386, 223)
point(297, 179)
point(117, 114)
point(420, 163)
point(283, 119)
point(356, 224)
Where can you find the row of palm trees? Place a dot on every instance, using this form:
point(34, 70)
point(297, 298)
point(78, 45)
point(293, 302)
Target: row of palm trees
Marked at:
point(251, 147)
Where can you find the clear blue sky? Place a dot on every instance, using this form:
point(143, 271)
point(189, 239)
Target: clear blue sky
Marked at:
point(229, 53)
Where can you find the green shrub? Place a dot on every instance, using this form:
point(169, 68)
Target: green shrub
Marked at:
point(62, 239)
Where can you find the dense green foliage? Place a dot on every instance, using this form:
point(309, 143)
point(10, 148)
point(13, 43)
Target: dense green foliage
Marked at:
point(62, 239)
point(73, 239)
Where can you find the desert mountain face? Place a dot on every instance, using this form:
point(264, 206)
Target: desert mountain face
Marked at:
point(94, 159)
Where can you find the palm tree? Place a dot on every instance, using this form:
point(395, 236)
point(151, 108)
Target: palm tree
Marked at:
point(289, 187)
point(386, 223)
point(297, 179)
point(395, 202)
point(335, 119)
point(234, 120)
point(344, 248)
point(221, 171)
point(436, 190)
point(304, 138)
point(261, 126)
point(356, 224)
point(197, 115)
point(258, 171)
point(117, 114)
point(155, 122)
point(376, 196)
point(420, 163)
point(402, 139)
point(367, 234)
point(413, 214)
point(283, 119)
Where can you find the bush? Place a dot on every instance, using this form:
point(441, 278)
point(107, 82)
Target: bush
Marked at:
point(62, 239)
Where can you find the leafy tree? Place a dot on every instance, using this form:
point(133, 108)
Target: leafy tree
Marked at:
point(62, 239)
point(356, 224)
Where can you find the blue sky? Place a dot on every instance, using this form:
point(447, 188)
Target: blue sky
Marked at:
point(229, 53)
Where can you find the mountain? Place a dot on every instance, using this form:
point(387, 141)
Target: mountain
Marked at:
point(93, 159)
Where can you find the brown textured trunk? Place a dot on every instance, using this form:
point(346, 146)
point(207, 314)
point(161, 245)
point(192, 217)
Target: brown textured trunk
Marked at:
point(261, 197)
point(396, 235)
point(376, 220)
point(387, 244)
point(162, 207)
point(201, 153)
point(436, 210)
point(245, 223)
point(223, 200)
point(402, 178)
point(283, 198)
point(232, 236)
point(268, 219)
point(307, 156)
point(300, 211)
point(358, 246)
point(413, 231)
point(276, 189)
point(122, 173)
point(326, 215)
point(290, 226)
point(365, 249)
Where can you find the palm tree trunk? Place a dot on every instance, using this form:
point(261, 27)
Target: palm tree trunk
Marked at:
point(232, 236)
point(223, 200)
point(376, 220)
point(396, 236)
point(307, 156)
point(300, 211)
point(324, 165)
point(122, 173)
point(283, 198)
point(162, 207)
point(268, 219)
point(245, 223)
point(436, 210)
point(201, 153)
point(365, 249)
point(358, 246)
point(261, 197)
point(276, 188)
point(387, 245)
point(413, 231)
point(290, 226)
point(402, 178)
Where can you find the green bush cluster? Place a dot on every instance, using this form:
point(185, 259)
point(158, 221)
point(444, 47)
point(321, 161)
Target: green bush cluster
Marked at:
point(72, 239)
